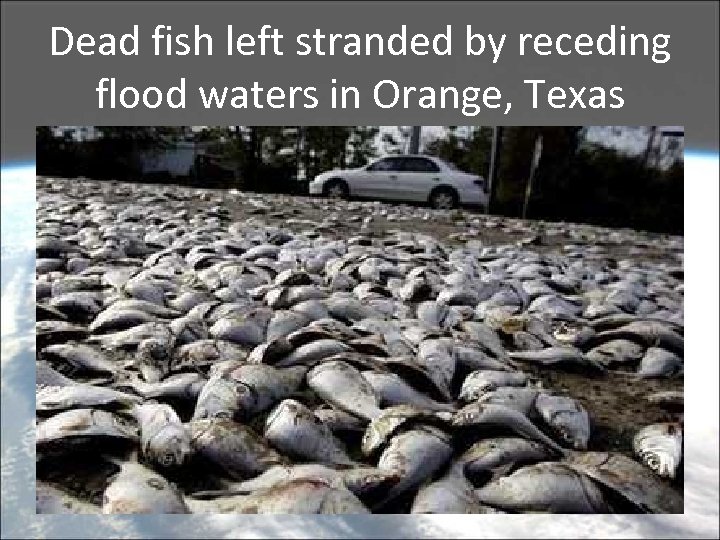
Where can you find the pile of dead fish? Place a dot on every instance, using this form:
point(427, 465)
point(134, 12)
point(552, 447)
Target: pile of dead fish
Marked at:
point(238, 366)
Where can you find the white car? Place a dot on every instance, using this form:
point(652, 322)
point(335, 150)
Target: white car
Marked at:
point(411, 178)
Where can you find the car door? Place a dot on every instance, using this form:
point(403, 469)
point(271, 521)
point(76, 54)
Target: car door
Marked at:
point(380, 178)
point(417, 179)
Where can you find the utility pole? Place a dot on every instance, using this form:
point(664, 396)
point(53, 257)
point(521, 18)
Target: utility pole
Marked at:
point(415, 140)
point(535, 161)
point(650, 145)
point(494, 158)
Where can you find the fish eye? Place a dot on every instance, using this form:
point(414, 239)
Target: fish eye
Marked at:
point(167, 459)
point(155, 483)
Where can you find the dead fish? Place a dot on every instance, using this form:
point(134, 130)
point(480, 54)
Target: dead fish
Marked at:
point(145, 290)
point(182, 386)
point(81, 396)
point(647, 333)
point(392, 419)
point(219, 398)
point(438, 315)
point(348, 309)
point(392, 389)
point(205, 352)
point(435, 355)
point(302, 496)
point(450, 494)
point(163, 437)
point(617, 352)
point(265, 386)
point(113, 320)
point(45, 265)
point(484, 336)
point(525, 341)
point(521, 399)
point(338, 420)
point(415, 290)
point(313, 352)
point(189, 299)
point(285, 322)
point(52, 500)
point(243, 331)
point(544, 487)
point(363, 481)
point(633, 481)
point(153, 359)
point(44, 312)
point(315, 309)
point(458, 296)
point(79, 358)
point(566, 417)
point(479, 382)
point(293, 429)
point(130, 338)
point(659, 362)
point(270, 352)
point(342, 385)
point(136, 489)
point(70, 284)
point(187, 330)
point(78, 305)
point(149, 307)
point(500, 417)
point(476, 359)
point(489, 459)
point(415, 455)
point(659, 446)
point(52, 332)
point(45, 375)
point(233, 447)
point(561, 357)
point(82, 427)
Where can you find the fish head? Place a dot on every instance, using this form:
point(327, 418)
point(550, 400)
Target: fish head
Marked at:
point(217, 399)
point(170, 447)
point(573, 428)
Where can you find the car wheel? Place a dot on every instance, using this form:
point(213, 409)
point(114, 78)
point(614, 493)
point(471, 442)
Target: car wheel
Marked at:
point(444, 198)
point(336, 189)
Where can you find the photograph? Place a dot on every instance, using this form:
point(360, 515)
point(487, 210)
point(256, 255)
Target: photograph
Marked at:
point(359, 319)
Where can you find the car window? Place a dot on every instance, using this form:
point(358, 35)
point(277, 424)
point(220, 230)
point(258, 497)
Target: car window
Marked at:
point(418, 164)
point(387, 164)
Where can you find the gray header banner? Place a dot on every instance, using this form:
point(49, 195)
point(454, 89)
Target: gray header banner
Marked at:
point(41, 89)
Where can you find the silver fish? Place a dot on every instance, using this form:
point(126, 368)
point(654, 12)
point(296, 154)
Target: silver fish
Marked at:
point(293, 429)
point(479, 382)
point(342, 385)
point(659, 446)
point(302, 496)
point(415, 455)
point(79, 396)
point(566, 417)
point(235, 448)
point(163, 437)
point(139, 490)
point(544, 487)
